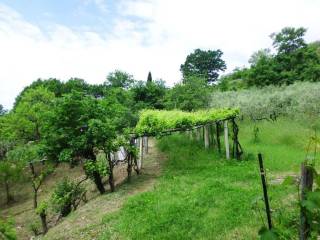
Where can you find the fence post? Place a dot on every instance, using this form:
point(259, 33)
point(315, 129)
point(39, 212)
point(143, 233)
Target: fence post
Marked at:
point(237, 150)
point(306, 185)
point(140, 153)
point(218, 136)
point(206, 136)
point(198, 134)
point(226, 139)
point(265, 192)
point(146, 145)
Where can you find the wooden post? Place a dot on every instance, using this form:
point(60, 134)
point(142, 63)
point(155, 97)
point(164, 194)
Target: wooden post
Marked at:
point(265, 192)
point(236, 149)
point(145, 144)
point(198, 134)
point(206, 136)
point(190, 132)
point(141, 153)
point(306, 185)
point(226, 139)
point(111, 179)
point(218, 136)
point(130, 158)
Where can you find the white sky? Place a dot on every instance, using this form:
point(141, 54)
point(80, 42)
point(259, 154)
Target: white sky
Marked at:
point(149, 35)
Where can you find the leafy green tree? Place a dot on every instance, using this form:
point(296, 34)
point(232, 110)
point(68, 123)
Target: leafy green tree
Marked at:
point(260, 54)
point(149, 95)
point(234, 81)
point(191, 96)
point(120, 79)
point(27, 120)
point(2, 110)
point(263, 72)
point(295, 60)
point(289, 39)
point(203, 64)
point(10, 172)
point(52, 84)
point(75, 84)
point(26, 155)
point(77, 124)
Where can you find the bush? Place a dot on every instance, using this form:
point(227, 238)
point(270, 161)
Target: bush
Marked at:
point(7, 230)
point(34, 227)
point(66, 196)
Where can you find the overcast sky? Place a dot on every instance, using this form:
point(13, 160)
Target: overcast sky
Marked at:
point(90, 38)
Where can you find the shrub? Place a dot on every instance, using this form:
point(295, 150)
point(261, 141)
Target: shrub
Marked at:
point(66, 196)
point(7, 230)
point(34, 227)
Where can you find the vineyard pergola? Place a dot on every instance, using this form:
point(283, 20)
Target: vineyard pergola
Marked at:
point(207, 123)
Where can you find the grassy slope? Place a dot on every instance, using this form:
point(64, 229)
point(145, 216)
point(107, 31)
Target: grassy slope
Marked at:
point(85, 223)
point(203, 196)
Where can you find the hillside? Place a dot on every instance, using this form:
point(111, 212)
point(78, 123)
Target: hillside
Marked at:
point(200, 194)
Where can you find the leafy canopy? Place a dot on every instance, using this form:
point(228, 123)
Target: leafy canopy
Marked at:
point(203, 64)
point(156, 121)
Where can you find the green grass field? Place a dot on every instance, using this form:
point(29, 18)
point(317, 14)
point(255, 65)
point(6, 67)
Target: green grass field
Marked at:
point(201, 195)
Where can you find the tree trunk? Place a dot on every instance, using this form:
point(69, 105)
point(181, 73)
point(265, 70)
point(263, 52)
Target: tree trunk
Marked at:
point(98, 181)
point(129, 168)
point(9, 197)
point(111, 180)
point(43, 218)
point(35, 198)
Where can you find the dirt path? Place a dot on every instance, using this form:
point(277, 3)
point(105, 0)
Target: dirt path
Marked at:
point(86, 222)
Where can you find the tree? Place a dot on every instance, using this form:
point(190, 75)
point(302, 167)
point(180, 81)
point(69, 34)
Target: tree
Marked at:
point(26, 155)
point(191, 96)
point(235, 80)
point(289, 39)
point(294, 61)
point(27, 120)
point(149, 95)
point(256, 56)
point(119, 79)
point(10, 172)
point(203, 64)
point(52, 84)
point(2, 110)
point(149, 79)
point(78, 124)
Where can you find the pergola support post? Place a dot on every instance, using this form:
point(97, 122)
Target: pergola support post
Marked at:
point(206, 136)
point(140, 160)
point(226, 139)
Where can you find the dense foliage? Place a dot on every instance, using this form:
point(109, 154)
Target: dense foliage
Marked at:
point(203, 64)
point(7, 231)
point(66, 196)
point(156, 121)
point(299, 100)
point(192, 95)
point(293, 60)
